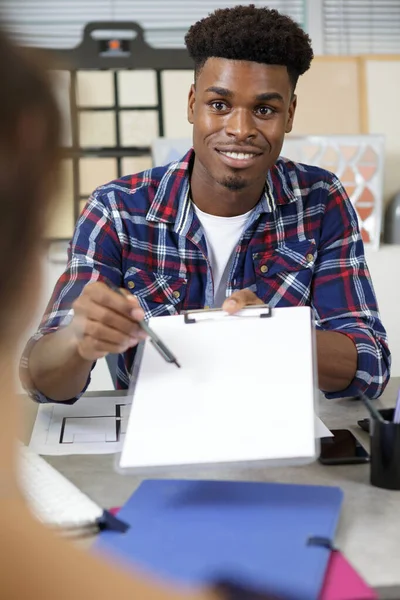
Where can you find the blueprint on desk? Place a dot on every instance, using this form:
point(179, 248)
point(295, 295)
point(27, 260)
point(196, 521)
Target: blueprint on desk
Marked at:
point(93, 425)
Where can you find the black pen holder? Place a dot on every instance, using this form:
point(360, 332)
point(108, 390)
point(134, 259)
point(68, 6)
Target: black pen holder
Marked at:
point(385, 454)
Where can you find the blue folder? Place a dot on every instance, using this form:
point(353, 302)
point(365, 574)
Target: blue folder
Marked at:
point(263, 537)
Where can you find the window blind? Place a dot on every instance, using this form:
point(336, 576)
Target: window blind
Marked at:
point(59, 24)
point(361, 26)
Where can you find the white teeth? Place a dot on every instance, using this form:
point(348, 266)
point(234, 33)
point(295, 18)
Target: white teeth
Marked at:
point(238, 155)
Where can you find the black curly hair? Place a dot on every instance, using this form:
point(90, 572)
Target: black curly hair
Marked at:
point(259, 35)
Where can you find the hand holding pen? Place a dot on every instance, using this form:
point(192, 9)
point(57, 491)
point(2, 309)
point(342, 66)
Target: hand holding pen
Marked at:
point(105, 322)
point(108, 320)
point(155, 340)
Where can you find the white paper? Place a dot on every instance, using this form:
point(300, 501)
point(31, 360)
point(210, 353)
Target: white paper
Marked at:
point(245, 392)
point(90, 427)
point(93, 425)
point(321, 429)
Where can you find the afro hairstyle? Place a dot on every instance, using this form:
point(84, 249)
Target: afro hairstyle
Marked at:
point(253, 34)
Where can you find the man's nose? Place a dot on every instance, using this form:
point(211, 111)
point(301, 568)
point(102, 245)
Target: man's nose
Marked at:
point(240, 125)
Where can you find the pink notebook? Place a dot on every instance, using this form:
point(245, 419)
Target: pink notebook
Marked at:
point(342, 582)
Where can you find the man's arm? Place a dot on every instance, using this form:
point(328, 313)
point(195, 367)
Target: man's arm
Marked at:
point(337, 361)
point(336, 353)
point(352, 350)
point(343, 300)
point(85, 319)
point(104, 322)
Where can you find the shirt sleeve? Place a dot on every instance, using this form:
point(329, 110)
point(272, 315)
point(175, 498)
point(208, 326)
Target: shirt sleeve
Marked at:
point(343, 297)
point(94, 254)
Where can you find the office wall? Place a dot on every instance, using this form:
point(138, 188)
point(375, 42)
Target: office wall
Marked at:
point(354, 94)
point(329, 97)
point(382, 76)
point(385, 272)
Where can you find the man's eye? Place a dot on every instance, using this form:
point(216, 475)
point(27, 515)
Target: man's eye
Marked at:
point(265, 111)
point(218, 106)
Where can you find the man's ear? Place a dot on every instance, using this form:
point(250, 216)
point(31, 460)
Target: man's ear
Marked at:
point(191, 103)
point(291, 112)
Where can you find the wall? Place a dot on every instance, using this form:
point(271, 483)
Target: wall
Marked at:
point(383, 96)
point(354, 94)
point(385, 272)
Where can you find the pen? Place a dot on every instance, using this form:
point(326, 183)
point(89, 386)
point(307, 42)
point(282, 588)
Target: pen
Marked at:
point(155, 340)
point(375, 414)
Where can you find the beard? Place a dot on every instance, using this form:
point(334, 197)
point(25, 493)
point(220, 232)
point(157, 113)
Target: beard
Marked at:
point(234, 183)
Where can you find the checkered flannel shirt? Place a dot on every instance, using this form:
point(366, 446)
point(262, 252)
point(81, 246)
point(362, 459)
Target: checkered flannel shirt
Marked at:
point(300, 246)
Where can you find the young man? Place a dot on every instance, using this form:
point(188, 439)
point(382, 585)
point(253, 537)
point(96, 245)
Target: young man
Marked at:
point(230, 225)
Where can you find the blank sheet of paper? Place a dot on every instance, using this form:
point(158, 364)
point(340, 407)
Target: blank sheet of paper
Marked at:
point(245, 392)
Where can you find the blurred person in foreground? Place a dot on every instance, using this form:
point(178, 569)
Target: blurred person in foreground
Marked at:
point(34, 562)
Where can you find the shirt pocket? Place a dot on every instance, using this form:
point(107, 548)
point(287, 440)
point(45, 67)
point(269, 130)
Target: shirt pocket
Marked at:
point(284, 273)
point(158, 294)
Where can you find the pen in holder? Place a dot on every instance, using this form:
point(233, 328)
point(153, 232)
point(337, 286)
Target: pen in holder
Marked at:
point(385, 454)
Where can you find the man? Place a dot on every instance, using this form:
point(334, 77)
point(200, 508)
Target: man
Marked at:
point(230, 225)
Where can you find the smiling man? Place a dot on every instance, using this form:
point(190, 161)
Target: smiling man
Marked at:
point(231, 224)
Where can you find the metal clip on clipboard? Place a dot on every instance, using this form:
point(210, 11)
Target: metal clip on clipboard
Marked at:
point(261, 311)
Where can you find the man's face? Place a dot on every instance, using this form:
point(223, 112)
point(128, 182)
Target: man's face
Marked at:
point(240, 112)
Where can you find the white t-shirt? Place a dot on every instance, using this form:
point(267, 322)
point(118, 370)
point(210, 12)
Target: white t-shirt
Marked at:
point(222, 235)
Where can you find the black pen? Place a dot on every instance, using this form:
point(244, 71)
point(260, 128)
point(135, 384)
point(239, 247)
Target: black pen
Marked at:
point(155, 340)
point(375, 414)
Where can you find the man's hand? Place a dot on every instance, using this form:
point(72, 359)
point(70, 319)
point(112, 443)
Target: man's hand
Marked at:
point(336, 353)
point(105, 322)
point(239, 300)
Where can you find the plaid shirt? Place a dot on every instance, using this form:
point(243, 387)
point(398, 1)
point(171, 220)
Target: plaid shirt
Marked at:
point(300, 246)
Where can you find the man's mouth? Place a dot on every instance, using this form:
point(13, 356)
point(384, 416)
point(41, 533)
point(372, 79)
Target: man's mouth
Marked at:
point(236, 159)
point(239, 155)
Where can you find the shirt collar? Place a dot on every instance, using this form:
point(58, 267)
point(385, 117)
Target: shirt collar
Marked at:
point(171, 201)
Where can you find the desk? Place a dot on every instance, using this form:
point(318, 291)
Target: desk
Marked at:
point(369, 529)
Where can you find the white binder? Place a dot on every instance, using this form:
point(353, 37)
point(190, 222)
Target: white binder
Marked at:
point(245, 394)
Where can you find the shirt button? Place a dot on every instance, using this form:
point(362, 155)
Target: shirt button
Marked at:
point(264, 269)
point(131, 285)
point(309, 258)
point(176, 294)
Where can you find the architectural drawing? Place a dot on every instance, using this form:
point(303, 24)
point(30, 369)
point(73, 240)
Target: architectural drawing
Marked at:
point(99, 428)
point(93, 425)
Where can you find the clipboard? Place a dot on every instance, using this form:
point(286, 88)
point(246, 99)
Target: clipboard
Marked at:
point(245, 394)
